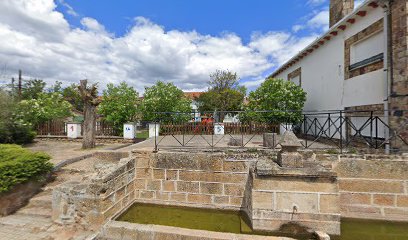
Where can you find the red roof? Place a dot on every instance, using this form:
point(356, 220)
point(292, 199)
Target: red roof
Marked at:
point(193, 95)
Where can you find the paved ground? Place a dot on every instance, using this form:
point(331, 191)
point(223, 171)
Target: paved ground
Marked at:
point(61, 150)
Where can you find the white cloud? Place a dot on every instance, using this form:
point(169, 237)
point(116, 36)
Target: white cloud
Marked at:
point(36, 38)
point(315, 2)
point(69, 9)
point(320, 21)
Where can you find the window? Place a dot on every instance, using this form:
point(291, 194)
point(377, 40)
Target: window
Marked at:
point(367, 48)
point(296, 77)
point(364, 52)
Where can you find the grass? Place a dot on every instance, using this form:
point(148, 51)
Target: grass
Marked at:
point(143, 134)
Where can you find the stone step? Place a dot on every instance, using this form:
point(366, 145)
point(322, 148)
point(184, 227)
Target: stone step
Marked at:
point(44, 201)
point(36, 211)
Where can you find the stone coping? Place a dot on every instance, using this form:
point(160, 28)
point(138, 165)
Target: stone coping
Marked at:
point(116, 230)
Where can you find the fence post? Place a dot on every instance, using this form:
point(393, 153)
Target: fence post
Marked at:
point(305, 129)
point(341, 131)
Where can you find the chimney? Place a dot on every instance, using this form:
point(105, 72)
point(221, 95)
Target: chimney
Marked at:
point(339, 9)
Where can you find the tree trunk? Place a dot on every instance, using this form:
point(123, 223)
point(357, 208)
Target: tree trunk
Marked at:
point(91, 101)
point(89, 126)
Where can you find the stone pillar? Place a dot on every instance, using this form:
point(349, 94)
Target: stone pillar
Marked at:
point(294, 194)
point(398, 101)
point(339, 9)
point(269, 140)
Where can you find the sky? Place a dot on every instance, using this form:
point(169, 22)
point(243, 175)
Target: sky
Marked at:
point(141, 41)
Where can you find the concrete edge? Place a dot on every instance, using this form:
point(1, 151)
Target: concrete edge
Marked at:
point(179, 232)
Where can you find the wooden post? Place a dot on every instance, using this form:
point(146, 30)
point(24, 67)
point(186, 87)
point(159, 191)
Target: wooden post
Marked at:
point(91, 101)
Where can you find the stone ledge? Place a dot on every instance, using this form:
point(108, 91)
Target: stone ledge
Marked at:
point(116, 230)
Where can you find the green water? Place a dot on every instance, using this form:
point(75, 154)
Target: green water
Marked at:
point(236, 222)
point(193, 218)
point(372, 230)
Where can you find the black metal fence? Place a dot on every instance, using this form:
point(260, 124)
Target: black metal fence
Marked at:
point(342, 130)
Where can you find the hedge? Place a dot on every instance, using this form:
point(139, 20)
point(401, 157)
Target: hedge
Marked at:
point(18, 165)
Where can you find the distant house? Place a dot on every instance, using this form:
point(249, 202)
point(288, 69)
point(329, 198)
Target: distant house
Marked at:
point(360, 63)
point(194, 105)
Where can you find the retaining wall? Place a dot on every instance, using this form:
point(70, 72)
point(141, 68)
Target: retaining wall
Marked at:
point(373, 186)
point(214, 180)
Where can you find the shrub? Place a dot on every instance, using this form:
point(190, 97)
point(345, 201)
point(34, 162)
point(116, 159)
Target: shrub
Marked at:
point(12, 130)
point(18, 165)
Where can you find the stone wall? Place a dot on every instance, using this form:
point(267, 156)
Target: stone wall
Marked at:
point(122, 230)
point(398, 101)
point(339, 9)
point(312, 202)
point(373, 186)
point(102, 196)
point(213, 180)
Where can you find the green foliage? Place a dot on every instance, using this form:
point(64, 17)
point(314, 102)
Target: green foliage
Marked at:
point(283, 98)
point(18, 165)
point(56, 88)
point(12, 130)
point(119, 104)
point(71, 94)
point(224, 93)
point(32, 89)
point(165, 97)
point(47, 106)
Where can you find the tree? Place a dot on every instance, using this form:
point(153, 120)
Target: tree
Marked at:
point(12, 129)
point(56, 88)
point(32, 89)
point(224, 93)
point(119, 104)
point(71, 94)
point(47, 106)
point(89, 95)
point(165, 97)
point(283, 101)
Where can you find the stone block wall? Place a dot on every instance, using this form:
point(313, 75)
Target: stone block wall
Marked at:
point(213, 180)
point(311, 202)
point(398, 101)
point(373, 186)
point(339, 9)
point(93, 202)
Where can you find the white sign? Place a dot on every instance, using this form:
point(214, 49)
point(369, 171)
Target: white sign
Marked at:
point(154, 129)
point(218, 129)
point(73, 130)
point(129, 131)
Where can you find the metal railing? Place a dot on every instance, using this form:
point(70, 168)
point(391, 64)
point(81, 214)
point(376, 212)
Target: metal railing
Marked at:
point(332, 129)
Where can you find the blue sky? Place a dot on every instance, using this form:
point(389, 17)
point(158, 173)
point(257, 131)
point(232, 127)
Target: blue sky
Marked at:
point(213, 17)
point(141, 42)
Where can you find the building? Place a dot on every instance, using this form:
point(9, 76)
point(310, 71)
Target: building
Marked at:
point(194, 105)
point(360, 63)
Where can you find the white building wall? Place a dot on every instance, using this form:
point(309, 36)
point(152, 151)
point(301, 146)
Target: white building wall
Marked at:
point(323, 73)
